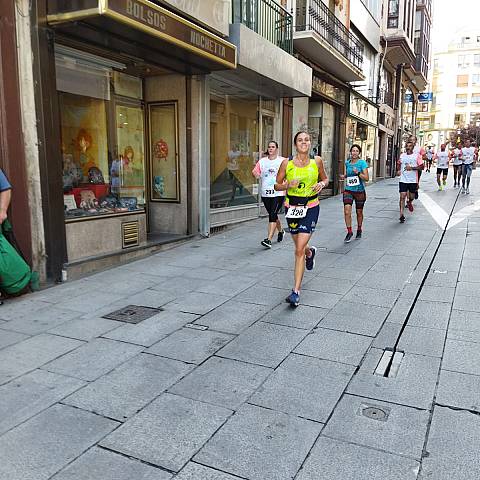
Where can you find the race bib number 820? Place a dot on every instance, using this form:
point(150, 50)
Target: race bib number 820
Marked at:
point(297, 212)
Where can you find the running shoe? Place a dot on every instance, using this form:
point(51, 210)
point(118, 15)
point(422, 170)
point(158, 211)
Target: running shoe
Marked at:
point(348, 237)
point(410, 206)
point(454, 185)
point(358, 236)
point(310, 261)
point(467, 191)
point(293, 299)
point(402, 219)
point(444, 183)
point(440, 188)
point(280, 236)
point(462, 190)
point(266, 243)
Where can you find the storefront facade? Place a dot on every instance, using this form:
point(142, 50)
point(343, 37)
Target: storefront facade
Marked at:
point(246, 112)
point(362, 128)
point(326, 115)
point(128, 121)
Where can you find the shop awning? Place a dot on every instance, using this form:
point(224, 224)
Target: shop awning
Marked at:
point(182, 44)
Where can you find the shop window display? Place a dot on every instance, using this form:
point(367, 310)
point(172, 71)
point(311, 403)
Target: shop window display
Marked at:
point(95, 181)
point(234, 150)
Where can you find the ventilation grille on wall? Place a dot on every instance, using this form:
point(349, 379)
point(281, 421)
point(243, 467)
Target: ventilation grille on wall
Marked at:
point(130, 234)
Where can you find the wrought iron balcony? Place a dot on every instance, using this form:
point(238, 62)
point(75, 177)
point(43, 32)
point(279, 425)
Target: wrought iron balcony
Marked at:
point(268, 19)
point(315, 15)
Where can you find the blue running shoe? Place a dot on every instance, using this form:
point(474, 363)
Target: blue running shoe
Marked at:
point(293, 299)
point(310, 261)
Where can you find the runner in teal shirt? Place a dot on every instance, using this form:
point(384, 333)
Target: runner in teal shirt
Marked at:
point(356, 174)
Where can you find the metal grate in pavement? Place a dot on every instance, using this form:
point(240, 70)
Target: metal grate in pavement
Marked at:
point(132, 314)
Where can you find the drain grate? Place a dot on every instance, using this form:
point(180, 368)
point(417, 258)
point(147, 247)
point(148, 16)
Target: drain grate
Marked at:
point(132, 314)
point(374, 412)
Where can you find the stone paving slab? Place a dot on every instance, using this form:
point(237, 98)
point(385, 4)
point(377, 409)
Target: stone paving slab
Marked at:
point(152, 329)
point(260, 444)
point(177, 428)
point(150, 298)
point(403, 432)
point(319, 299)
point(261, 295)
point(93, 359)
point(304, 386)
point(90, 302)
point(127, 389)
point(32, 353)
point(197, 302)
point(233, 317)
point(30, 394)
point(60, 434)
point(41, 321)
point(371, 296)
point(9, 338)
point(17, 307)
point(470, 303)
point(414, 384)
point(452, 446)
point(459, 390)
point(227, 288)
point(263, 344)
point(195, 471)
point(461, 357)
point(85, 328)
point(221, 381)
point(303, 316)
point(321, 283)
point(430, 315)
point(189, 345)
point(334, 460)
point(334, 345)
point(98, 463)
point(418, 340)
point(356, 318)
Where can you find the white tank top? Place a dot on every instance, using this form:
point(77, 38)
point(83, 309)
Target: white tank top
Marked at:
point(405, 175)
point(468, 155)
point(456, 159)
point(268, 171)
point(442, 159)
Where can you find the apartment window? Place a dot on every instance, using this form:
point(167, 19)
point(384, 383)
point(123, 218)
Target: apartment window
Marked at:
point(461, 100)
point(392, 21)
point(459, 119)
point(463, 61)
point(462, 80)
point(476, 60)
point(475, 79)
point(373, 8)
point(475, 98)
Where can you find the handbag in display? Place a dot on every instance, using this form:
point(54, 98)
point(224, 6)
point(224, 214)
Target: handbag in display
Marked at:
point(108, 201)
point(128, 202)
point(95, 176)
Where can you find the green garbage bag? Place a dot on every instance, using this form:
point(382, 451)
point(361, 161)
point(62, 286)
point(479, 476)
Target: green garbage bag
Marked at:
point(15, 274)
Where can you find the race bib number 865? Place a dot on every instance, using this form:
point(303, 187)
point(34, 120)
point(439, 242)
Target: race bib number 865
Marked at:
point(353, 181)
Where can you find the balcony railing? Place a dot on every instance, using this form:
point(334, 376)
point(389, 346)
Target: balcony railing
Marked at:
point(318, 17)
point(268, 19)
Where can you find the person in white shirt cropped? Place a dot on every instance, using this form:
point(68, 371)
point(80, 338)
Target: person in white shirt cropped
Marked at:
point(443, 158)
point(469, 157)
point(457, 165)
point(266, 170)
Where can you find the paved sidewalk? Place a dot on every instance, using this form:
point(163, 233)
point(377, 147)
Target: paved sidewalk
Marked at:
point(264, 392)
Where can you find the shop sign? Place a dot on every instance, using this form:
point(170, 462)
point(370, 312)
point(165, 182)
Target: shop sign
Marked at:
point(422, 97)
point(215, 14)
point(157, 21)
point(363, 109)
point(323, 88)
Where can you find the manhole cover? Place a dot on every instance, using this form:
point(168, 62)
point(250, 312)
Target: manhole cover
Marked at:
point(375, 413)
point(132, 314)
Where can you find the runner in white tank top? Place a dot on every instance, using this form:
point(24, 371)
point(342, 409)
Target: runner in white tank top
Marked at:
point(457, 165)
point(266, 170)
point(469, 156)
point(443, 159)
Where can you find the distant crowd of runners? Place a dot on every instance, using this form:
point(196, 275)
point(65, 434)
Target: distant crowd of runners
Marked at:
point(295, 184)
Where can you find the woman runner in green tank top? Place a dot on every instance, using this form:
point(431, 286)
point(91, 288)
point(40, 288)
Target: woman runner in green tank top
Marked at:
point(303, 178)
